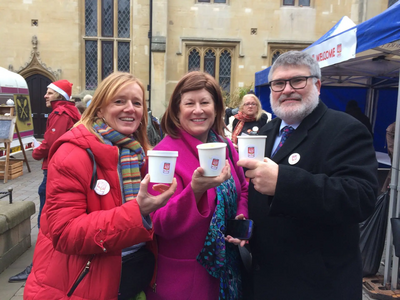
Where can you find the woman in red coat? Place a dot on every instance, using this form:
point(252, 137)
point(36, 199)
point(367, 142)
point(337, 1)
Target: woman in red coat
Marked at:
point(97, 207)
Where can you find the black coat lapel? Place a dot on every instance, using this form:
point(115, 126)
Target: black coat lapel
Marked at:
point(299, 135)
point(271, 131)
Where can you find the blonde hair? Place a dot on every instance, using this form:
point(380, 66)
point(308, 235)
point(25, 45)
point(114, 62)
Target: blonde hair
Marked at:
point(104, 94)
point(258, 104)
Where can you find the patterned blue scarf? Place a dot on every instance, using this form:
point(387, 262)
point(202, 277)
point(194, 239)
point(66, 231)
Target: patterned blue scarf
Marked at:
point(221, 259)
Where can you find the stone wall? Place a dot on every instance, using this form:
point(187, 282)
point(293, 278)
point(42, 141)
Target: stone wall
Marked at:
point(15, 230)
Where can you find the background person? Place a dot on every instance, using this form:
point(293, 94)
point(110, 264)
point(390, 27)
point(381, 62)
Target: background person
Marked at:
point(81, 106)
point(390, 148)
point(63, 116)
point(87, 99)
point(308, 199)
point(354, 110)
point(249, 119)
point(96, 204)
point(194, 261)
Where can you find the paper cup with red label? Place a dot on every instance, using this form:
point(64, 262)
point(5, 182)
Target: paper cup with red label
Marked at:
point(162, 165)
point(252, 146)
point(212, 158)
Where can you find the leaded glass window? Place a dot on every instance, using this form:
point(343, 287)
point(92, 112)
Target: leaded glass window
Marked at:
point(288, 2)
point(194, 60)
point(304, 2)
point(225, 71)
point(91, 64)
point(296, 2)
point(90, 18)
point(123, 56)
point(107, 17)
point(209, 63)
point(275, 55)
point(124, 16)
point(107, 49)
point(214, 60)
point(212, 1)
point(107, 59)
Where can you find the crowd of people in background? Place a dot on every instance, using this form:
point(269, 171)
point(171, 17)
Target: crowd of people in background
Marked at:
point(106, 232)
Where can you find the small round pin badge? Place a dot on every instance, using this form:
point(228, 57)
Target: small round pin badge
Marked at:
point(102, 187)
point(294, 158)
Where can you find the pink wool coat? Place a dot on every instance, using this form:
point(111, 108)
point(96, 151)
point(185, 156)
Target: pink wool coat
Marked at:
point(181, 227)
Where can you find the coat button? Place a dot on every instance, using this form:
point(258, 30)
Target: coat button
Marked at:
point(257, 267)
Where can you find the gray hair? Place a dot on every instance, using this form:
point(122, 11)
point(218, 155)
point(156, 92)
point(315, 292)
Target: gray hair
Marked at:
point(296, 58)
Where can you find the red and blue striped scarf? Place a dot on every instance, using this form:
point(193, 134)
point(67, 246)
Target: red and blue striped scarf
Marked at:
point(131, 157)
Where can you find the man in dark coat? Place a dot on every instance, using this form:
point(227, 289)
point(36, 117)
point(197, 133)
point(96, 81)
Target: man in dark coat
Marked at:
point(307, 200)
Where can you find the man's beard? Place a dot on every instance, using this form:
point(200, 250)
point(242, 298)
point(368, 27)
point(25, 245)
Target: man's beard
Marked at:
point(295, 112)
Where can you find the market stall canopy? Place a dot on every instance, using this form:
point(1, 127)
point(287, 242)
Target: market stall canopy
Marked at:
point(377, 53)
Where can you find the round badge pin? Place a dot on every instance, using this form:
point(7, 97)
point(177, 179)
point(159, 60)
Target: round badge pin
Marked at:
point(294, 158)
point(102, 187)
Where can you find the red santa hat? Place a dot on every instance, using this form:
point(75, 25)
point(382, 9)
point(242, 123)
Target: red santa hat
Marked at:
point(63, 87)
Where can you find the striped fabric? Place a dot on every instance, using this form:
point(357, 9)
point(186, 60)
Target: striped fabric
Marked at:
point(131, 157)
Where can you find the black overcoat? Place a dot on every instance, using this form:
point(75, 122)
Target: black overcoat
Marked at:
point(306, 238)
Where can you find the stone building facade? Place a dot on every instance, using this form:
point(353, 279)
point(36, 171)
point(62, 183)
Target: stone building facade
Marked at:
point(84, 40)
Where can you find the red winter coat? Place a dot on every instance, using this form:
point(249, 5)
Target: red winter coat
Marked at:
point(61, 119)
point(77, 223)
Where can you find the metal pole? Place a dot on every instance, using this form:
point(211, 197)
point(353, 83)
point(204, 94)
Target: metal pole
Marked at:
point(150, 35)
point(10, 194)
point(393, 205)
point(394, 188)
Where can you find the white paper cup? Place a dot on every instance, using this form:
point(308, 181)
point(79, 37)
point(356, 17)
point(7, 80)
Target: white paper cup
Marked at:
point(162, 165)
point(252, 146)
point(212, 158)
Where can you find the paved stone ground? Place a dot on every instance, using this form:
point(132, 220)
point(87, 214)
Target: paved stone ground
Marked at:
point(25, 189)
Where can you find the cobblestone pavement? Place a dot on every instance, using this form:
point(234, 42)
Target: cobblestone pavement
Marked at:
point(24, 189)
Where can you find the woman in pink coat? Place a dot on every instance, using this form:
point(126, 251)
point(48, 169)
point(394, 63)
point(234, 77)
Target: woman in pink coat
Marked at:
point(195, 261)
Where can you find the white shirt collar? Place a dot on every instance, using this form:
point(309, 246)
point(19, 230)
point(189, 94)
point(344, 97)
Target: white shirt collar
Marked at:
point(283, 124)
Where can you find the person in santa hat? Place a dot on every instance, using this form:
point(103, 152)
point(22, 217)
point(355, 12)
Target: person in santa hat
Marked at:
point(60, 120)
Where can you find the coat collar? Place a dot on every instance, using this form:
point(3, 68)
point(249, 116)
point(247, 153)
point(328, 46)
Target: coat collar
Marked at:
point(298, 135)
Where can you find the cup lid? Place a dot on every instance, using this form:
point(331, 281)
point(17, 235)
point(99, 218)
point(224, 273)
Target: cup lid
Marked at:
point(252, 137)
point(209, 146)
point(162, 153)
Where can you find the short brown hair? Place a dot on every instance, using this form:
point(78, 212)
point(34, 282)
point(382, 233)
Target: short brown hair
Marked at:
point(193, 81)
point(103, 95)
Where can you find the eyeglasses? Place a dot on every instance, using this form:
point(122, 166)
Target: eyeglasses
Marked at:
point(296, 83)
point(250, 104)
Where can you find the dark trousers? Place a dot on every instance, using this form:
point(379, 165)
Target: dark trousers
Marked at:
point(136, 274)
point(42, 195)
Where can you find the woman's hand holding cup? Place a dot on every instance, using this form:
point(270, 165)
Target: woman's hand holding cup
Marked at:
point(149, 203)
point(200, 183)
